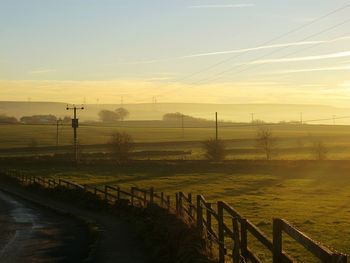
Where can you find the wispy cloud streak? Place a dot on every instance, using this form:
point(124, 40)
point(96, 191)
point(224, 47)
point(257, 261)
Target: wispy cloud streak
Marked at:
point(301, 59)
point(42, 71)
point(234, 51)
point(341, 68)
point(222, 6)
point(244, 50)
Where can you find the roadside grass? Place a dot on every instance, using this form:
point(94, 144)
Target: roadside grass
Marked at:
point(313, 196)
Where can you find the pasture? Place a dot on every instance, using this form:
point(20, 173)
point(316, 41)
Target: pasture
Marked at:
point(292, 141)
point(313, 196)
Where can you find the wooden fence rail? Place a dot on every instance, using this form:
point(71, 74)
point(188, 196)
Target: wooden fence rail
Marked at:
point(224, 228)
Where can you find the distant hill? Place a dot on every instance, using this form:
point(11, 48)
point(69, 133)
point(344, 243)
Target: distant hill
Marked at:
point(148, 111)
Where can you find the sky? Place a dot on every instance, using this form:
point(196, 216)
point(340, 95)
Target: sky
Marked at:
point(193, 51)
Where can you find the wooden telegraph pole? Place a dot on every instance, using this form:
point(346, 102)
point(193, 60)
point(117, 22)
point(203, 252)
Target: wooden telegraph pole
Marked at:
point(216, 126)
point(75, 125)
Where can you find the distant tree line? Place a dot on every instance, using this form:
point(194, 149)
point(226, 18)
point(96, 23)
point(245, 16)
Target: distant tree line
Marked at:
point(34, 119)
point(177, 116)
point(7, 120)
point(109, 116)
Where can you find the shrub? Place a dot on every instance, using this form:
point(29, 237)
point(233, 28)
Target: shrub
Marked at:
point(319, 151)
point(215, 150)
point(121, 145)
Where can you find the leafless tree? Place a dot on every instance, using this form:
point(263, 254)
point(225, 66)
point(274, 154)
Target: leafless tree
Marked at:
point(108, 116)
point(215, 150)
point(266, 142)
point(122, 112)
point(319, 150)
point(121, 145)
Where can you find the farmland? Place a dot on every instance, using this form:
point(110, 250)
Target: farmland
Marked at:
point(292, 141)
point(313, 196)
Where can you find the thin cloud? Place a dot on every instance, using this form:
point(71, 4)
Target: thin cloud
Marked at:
point(222, 6)
point(233, 51)
point(341, 68)
point(42, 71)
point(300, 59)
point(244, 50)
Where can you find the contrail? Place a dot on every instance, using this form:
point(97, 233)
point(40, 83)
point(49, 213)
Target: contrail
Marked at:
point(244, 50)
point(347, 67)
point(233, 51)
point(222, 6)
point(297, 59)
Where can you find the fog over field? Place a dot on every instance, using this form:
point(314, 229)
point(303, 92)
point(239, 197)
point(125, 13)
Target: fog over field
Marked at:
point(155, 111)
point(208, 131)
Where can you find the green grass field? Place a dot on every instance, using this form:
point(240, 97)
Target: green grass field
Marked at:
point(313, 196)
point(293, 141)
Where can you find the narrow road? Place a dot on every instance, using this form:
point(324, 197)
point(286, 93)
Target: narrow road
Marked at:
point(118, 241)
point(31, 234)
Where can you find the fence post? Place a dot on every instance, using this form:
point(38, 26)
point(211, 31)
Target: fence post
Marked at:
point(199, 215)
point(151, 197)
point(244, 239)
point(190, 205)
point(221, 235)
point(180, 203)
point(208, 216)
point(277, 240)
point(236, 244)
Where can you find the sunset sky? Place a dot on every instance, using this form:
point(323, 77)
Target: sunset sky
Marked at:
point(222, 51)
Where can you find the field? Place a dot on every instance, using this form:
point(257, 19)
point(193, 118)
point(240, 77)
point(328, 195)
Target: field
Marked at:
point(292, 141)
point(313, 196)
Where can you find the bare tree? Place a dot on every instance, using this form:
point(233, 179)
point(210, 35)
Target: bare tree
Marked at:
point(108, 116)
point(121, 145)
point(266, 142)
point(319, 150)
point(215, 150)
point(122, 112)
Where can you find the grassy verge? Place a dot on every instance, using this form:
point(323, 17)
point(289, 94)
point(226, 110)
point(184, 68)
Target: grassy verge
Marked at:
point(166, 237)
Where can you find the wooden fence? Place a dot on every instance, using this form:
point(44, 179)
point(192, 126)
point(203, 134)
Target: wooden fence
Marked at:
point(224, 228)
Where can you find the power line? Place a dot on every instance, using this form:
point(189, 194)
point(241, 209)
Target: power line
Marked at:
point(250, 66)
point(200, 127)
point(222, 126)
point(262, 44)
point(284, 35)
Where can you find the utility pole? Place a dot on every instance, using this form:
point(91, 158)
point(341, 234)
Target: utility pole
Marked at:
point(301, 118)
point(216, 126)
point(252, 114)
point(75, 125)
point(58, 122)
point(182, 126)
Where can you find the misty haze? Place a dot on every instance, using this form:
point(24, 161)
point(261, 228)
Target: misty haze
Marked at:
point(174, 131)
